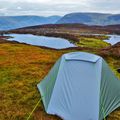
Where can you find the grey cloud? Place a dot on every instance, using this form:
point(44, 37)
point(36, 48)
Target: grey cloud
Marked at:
point(57, 8)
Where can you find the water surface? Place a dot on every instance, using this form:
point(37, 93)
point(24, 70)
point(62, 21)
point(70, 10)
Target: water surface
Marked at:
point(113, 39)
point(52, 42)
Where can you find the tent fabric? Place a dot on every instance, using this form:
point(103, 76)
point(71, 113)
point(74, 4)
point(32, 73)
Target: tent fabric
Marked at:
point(80, 86)
point(46, 86)
point(110, 91)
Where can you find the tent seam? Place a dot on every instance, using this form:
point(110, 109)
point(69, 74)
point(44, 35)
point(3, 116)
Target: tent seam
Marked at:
point(100, 87)
point(55, 82)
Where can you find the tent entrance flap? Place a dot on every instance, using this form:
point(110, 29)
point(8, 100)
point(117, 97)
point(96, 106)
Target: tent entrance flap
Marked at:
point(82, 57)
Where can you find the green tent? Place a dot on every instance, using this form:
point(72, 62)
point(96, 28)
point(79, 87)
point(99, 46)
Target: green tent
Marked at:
point(80, 86)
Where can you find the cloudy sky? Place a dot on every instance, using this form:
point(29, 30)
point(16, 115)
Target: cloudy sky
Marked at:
point(57, 7)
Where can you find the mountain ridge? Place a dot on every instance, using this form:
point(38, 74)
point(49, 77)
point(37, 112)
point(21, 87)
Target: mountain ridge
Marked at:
point(90, 18)
point(13, 22)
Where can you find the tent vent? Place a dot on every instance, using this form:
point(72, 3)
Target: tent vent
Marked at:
point(82, 57)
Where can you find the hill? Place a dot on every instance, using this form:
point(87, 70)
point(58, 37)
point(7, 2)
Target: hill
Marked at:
point(69, 29)
point(13, 22)
point(90, 18)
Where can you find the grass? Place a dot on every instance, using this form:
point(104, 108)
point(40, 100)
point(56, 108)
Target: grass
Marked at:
point(92, 43)
point(21, 69)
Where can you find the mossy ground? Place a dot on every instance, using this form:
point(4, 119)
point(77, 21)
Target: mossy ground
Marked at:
point(21, 69)
point(92, 42)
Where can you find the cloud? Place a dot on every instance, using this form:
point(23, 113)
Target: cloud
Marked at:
point(19, 8)
point(57, 7)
